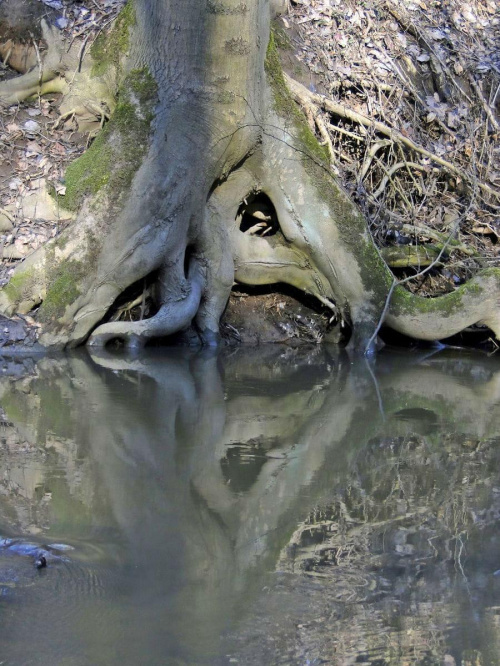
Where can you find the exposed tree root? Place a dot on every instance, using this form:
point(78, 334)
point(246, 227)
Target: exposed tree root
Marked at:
point(62, 69)
point(171, 318)
point(476, 302)
point(180, 174)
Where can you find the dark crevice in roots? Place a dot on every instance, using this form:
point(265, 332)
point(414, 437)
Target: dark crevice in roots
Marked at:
point(188, 254)
point(321, 321)
point(241, 470)
point(475, 337)
point(257, 215)
point(281, 288)
point(136, 302)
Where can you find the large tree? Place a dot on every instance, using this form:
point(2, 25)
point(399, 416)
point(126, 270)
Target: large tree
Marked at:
point(206, 173)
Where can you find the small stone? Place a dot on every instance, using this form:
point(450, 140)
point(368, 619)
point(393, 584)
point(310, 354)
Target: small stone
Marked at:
point(5, 223)
point(15, 183)
point(31, 126)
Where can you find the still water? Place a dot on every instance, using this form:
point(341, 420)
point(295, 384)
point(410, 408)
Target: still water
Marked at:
point(258, 507)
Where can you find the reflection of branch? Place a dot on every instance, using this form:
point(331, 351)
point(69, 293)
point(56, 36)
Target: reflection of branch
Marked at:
point(377, 389)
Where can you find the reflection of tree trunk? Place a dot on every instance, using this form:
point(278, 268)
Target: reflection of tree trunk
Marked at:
point(158, 430)
point(463, 388)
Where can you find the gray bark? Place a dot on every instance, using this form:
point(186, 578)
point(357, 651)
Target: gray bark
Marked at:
point(224, 129)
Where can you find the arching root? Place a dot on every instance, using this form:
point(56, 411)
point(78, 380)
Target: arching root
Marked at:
point(37, 80)
point(172, 317)
point(475, 302)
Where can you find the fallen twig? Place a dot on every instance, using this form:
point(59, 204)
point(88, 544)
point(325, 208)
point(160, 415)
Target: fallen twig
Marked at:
point(300, 93)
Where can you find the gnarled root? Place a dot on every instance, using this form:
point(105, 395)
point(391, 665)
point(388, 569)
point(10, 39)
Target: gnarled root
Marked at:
point(475, 302)
point(40, 79)
point(172, 317)
point(88, 98)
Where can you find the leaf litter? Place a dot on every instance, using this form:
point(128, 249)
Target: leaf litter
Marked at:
point(429, 71)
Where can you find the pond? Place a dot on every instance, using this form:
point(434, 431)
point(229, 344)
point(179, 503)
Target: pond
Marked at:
point(253, 506)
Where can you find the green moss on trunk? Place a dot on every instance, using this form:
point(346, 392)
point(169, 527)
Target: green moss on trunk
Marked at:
point(109, 49)
point(63, 289)
point(286, 108)
point(20, 286)
point(405, 303)
point(66, 279)
point(117, 152)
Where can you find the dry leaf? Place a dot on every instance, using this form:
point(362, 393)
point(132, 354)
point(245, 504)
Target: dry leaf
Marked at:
point(33, 148)
point(59, 149)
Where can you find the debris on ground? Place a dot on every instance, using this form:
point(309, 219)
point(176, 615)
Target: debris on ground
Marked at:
point(406, 96)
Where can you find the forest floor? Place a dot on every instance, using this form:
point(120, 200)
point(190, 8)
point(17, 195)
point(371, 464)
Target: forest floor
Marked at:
point(406, 96)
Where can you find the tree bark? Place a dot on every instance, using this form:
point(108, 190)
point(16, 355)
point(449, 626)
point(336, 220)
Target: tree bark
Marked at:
point(203, 131)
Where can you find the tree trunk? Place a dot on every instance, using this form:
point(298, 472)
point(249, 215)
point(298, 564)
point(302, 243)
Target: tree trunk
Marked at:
point(207, 173)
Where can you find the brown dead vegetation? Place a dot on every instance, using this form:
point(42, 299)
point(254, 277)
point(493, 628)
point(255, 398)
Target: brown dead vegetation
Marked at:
point(406, 96)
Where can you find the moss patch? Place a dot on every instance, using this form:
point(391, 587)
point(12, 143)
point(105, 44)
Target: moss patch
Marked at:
point(89, 173)
point(20, 286)
point(65, 280)
point(117, 152)
point(280, 36)
point(286, 108)
point(63, 289)
point(109, 49)
point(405, 303)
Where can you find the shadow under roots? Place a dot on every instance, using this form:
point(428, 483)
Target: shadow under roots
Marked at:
point(476, 337)
point(135, 303)
point(275, 313)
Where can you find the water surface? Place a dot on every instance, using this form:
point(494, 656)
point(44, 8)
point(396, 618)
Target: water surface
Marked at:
point(262, 506)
